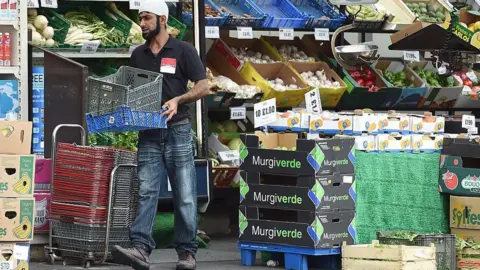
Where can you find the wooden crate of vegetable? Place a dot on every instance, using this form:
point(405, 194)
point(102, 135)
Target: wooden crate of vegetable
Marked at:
point(320, 75)
point(402, 16)
point(367, 89)
point(442, 92)
point(278, 81)
point(380, 257)
point(403, 77)
point(468, 254)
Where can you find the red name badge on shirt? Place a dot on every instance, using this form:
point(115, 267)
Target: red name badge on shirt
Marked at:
point(168, 65)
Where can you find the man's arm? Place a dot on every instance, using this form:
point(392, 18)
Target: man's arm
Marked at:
point(200, 90)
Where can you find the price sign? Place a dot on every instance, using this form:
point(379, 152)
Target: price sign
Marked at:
point(212, 32)
point(468, 121)
point(312, 101)
point(245, 33)
point(411, 56)
point(33, 4)
point(473, 131)
point(265, 112)
point(135, 4)
point(322, 34)
point(6, 265)
point(286, 34)
point(49, 3)
point(238, 113)
point(229, 155)
point(89, 47)
point(21, 252)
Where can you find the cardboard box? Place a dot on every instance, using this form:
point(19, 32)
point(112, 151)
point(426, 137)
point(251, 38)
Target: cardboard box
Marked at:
point(315, 194)
point(393, 123)
point(367, 143)
point(300, 229)
point(366, 123)
point(312, 157)
point(465, 147)
point(394, 143)
point(259, 74)
point(17, 175)
point(15, 137)
point(43, 175)
point(458, 179)
point(427, 143)
point(467, 234)
point(465, 212)
point(331, 123)
point(18, 255)
point(288, 121)
point(421, 124)
point(274, 44)
point(468, 259)
point(42, 206)
point(16, 219)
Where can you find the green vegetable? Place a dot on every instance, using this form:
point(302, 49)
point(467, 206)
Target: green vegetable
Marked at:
point(122, 140)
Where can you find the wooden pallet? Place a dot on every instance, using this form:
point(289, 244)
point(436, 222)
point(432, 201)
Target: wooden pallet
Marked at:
point(391, 257)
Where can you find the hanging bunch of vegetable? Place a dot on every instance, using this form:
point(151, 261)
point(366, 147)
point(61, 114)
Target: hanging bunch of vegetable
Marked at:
point(42, 34)
point(86, 26)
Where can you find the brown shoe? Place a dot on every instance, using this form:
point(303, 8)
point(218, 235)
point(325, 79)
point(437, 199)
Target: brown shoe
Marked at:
point(186, 262)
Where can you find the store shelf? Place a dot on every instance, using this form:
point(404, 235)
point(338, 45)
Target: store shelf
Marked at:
point(378, 31)
point(86, 55)
point(9, 70)
point(431, 38)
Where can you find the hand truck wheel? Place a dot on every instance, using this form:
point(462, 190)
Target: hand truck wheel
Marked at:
point(87, 264)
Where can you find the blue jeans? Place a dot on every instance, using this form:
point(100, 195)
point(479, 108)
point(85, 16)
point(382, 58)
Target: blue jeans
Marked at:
point(162, 153)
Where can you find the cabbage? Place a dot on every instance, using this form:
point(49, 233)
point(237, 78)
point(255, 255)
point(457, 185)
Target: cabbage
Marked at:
point(230, 126)
point(218, 126)
point(234, 144)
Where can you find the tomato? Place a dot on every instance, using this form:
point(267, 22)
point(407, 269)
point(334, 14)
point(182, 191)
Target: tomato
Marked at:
point(360, 81)
point(369, 83)
point(355, 74)
point(468, 83)
point(369, 75)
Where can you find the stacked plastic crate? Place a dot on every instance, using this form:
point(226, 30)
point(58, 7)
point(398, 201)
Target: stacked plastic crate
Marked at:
point(17, 205)
point(297, 196)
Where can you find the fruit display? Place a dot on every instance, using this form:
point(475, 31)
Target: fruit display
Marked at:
point(427, 13)
point(247, 55)
point(225, 84)
point(319, 79)
point(365, 13)
point(280, 86)
point(365, 78)
point(434, 79)
point(470, 80)
point(292, 53)
point(398, 79)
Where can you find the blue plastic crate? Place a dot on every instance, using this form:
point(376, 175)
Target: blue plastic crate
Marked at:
point(239, 8)
point(281, 13)
point(124, 119)
point(295, 258)
point(320, 14)
point(209, 21)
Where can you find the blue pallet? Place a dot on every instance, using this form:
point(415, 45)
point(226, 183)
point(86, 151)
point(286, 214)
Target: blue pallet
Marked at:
point(209, 21)
point(295, 257)
point(281, 14)
point(320, 14)
point(124, 119)
point(239, 8)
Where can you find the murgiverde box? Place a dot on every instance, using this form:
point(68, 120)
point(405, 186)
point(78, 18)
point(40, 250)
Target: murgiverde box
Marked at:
point(16, 219)
point(458, 176)
point(17, 174)
point(297, 228)
point(315, 194)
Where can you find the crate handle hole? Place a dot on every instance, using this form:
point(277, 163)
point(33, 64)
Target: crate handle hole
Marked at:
point(10, 171)
point(142, 76)
point(10, 214)
point(335, 220)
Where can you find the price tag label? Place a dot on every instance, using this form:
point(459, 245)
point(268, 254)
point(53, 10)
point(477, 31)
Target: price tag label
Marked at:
point(286, 34)
point(411, 56)
point(238, 113)
point(49, 3)
point(132, 48)
point(135, 4)
point(312, 101)
point(473, 131)
point(21, 252)
point(6, 265)
point(265, 112)
point(229, 155)
point(245, 33)
point(322, 34)
point(89, 47)
point(468, 121)
point(212, 32)
point(33, 4)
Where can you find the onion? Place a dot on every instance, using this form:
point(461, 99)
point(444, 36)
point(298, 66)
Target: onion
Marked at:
point(48, 32)
point(40, 22)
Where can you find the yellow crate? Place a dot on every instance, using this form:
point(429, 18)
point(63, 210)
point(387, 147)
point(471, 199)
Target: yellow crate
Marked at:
point(328, 96)
point(258, 74)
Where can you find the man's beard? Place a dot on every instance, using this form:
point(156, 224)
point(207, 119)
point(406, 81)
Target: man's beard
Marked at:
point(152, 34)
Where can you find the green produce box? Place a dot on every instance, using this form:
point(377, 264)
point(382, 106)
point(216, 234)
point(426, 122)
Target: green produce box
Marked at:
point(400, 75)
point(459, 176)
point(465, 27)
point(357, 96)
point(436, 97)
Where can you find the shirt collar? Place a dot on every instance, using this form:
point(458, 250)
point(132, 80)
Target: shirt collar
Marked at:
point(168, 45)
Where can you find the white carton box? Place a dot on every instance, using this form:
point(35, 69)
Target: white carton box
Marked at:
point(423, 143)
point(394, 142)
point(331, 123)
point(421, 124)
point(366, 142)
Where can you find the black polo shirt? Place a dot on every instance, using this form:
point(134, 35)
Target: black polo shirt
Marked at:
point(179, 62)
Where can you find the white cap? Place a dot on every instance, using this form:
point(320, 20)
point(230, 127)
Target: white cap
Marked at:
point(157, 7)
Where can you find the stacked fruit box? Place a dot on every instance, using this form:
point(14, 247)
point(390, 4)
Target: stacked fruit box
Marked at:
point(17, 205)
point(302, 196)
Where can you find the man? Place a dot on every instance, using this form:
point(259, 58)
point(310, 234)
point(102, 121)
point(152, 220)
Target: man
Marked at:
point(168, 152)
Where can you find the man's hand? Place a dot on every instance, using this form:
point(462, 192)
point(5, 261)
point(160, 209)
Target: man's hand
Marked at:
point(171, 106)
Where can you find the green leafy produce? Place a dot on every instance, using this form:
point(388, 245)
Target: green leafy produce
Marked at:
point(434, 79)
point(122, 140)
point(401, 235)
point(398, 79)
point(427, 13)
